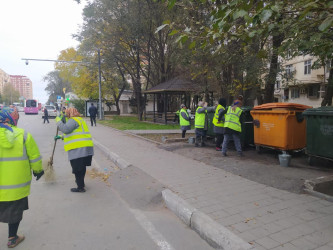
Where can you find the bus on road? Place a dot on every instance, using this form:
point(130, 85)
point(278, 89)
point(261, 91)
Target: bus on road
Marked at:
point(31, 107)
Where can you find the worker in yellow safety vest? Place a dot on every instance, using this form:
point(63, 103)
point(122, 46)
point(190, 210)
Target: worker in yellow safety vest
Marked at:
point(218, 121)
point(63, 114)
point(176, 118)
point(19, 155)
point(184, 120)
point(233, 127)
point(78, 144)
point(201, 123)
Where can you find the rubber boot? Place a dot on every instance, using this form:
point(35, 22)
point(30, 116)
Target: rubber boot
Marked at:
point(197, 141)
point(203, 139)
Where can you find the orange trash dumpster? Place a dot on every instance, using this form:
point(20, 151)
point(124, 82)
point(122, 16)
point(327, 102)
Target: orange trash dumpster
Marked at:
point(280, 126)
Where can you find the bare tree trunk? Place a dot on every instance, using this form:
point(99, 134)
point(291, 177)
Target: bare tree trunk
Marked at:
point(273, 70)
point(327, 101)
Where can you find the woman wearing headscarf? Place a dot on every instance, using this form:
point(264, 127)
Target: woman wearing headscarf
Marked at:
point(78, 144)
point(184, 120)
point(201, 123)
point(233, 127)
point(19, 155)
point(218, 122)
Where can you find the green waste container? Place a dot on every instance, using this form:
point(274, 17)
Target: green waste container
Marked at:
point(247, 134)
point(210, 131)
point(319, 132)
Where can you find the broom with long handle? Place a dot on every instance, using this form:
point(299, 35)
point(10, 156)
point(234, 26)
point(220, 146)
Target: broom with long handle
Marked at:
point(50, 163)
point(49, 171)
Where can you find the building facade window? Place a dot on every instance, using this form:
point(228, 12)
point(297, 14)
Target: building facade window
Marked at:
point(307, 67)
point(289, 71)
point(313, 91)
point(294, 92)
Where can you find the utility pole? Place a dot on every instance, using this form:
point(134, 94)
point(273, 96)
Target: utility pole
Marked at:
point(79, 62)
point(99, 84)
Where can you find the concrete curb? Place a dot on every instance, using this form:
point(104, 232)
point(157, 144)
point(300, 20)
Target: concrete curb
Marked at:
point(215, 234)
point(178, 206)
point(119, 162)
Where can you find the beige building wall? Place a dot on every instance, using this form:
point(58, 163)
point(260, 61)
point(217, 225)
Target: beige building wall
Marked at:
point(22, 84)
point(298, 83)
point(4, 78)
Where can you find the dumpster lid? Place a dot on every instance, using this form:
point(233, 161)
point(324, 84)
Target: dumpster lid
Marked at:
point(246, 108)
point(285, 105)
point(327, 111)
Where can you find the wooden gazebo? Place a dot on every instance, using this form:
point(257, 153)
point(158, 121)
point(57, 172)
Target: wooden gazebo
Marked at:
point(163, 109)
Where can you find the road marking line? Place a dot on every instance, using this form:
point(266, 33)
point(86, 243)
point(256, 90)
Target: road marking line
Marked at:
point(151, 230)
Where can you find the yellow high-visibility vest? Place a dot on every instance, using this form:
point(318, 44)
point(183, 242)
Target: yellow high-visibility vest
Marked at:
point(232, 119)
point(79, 138)
point(216, 117)
point(16, 163)
point(200, 119)
point(182, 121)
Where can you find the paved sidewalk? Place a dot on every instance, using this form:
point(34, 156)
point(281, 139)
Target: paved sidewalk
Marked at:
point(263, 217)
point(165, 131)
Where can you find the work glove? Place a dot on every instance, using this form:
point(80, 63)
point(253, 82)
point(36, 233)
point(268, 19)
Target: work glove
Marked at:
point(58, 137)
point(38, 175)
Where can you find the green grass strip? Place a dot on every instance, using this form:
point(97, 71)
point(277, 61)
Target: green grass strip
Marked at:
point(132, 123)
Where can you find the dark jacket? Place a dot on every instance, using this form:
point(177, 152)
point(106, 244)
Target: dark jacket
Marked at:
point(92, 111)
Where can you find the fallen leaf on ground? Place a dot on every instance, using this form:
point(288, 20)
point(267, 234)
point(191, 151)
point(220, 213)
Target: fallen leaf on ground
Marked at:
point(248, 219)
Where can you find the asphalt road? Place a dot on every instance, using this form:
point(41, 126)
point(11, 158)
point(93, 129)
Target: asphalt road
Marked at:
point(124, 211)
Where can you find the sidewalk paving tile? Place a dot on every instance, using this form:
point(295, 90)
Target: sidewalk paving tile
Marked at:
point(287, 246)
point(265, 216)
point(267, 242)
point(302, 243)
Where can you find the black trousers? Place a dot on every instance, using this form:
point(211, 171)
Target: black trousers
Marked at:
point(12, 229)
point(46, 118)
point(219, 140)
point(79, 177)
point(79, 167)
point(183, 133)
point(93, 120)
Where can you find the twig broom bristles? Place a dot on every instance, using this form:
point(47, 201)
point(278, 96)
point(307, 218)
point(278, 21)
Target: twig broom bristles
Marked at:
point(49, 171)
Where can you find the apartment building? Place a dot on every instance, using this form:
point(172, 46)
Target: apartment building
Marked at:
point(4, 79)
point(299, 83)
point(22, 84)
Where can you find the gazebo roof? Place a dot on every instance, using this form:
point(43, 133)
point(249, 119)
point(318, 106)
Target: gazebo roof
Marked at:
point(174, 85)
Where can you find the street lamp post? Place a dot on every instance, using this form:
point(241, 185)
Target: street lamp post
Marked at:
point(80, 62)
point(99, 84)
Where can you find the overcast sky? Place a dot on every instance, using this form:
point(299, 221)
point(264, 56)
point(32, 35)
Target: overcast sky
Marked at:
point(36, 29)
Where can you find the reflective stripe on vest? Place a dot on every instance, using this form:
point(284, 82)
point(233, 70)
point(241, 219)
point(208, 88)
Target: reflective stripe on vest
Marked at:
point(232, 119)
point(216, 117)
point(79, 138)
point(200, 119)
point(15, 186)
point(22, 158)
point(182, 121)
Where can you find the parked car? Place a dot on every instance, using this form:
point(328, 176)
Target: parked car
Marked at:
point(20, 108)
point(51, 110)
